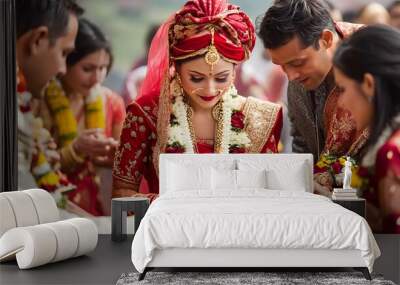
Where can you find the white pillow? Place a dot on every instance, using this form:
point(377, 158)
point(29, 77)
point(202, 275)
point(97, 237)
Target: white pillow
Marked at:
point(251, 178)
point(222, 164)
point(201, 160)
point(224, 179)
point(281, 174)
point(289, 179)
point(188, 177)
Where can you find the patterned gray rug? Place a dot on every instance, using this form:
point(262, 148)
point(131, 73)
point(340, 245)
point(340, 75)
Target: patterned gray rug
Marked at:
point(242, 278)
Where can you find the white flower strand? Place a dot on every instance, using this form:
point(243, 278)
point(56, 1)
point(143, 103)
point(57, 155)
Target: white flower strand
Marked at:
point(232, 102)
point(94, 93)
point(226, 119)
point(180, 133)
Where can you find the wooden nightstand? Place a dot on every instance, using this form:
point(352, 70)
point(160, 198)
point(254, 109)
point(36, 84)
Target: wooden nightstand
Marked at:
point(356, 205)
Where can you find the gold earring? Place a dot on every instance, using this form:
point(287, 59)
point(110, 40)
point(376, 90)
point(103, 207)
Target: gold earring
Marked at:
point(217, 112)
point(232, 89)
point(178, 79)
point(221, 91)
point(177, 88)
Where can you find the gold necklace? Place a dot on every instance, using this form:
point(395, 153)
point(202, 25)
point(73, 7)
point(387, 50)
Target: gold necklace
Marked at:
point(217, 113)
point(189, 115)
point(218, 116)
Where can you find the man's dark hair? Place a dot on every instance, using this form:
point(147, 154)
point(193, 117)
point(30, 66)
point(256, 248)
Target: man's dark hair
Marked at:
point(89, 39)
point(393, 5)
point(370, 50)
point(286, 19)
point(54, 14)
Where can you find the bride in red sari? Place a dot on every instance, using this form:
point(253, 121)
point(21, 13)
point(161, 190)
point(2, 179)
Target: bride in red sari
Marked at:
point(188, 103)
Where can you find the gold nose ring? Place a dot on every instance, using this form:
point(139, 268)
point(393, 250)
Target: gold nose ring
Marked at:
point(196, 90)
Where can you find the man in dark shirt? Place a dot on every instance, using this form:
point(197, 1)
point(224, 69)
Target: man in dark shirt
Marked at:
point(301, 37)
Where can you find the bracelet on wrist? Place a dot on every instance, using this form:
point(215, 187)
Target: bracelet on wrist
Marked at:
point(74, 155)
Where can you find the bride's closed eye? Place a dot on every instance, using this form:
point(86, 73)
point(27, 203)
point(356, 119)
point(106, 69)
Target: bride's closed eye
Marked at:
point(196, 79)
point(221, 79)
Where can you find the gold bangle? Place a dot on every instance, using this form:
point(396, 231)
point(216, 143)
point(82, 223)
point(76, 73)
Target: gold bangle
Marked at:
point(67, 162)
point(74, 155)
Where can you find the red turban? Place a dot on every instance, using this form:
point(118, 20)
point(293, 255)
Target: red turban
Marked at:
point(191, 32)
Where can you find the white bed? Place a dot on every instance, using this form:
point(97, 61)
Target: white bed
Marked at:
point(224, 225)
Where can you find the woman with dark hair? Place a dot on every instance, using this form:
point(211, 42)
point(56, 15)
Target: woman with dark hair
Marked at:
point(394, 12)
point(85, 117)
point(367, 69)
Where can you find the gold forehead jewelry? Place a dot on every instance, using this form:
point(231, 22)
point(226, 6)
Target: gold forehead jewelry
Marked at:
point(212, 56)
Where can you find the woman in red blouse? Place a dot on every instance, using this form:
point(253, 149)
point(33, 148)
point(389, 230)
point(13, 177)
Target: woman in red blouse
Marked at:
point(188, 103)
point(86, 119)
point(367, 69)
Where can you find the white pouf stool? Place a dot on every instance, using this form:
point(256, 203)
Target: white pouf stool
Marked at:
point(31, 233)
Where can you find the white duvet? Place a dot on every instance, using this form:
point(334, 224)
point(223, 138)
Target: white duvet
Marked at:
point(252, 218)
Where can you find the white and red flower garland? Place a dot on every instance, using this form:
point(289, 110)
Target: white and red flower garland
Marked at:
point(40, 143)
point(234, 137)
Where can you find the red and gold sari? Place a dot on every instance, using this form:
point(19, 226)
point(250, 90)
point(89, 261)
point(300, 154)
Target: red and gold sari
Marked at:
point(387, 183)
point(135, 156)
point(381, 188)
point(199, 27)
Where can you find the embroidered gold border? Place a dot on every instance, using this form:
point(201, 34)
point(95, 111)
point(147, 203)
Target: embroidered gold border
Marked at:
point(260, 120)
point(145, 114)
point(359, 143)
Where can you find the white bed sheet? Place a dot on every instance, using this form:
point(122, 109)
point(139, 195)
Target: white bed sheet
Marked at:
point(251, 218)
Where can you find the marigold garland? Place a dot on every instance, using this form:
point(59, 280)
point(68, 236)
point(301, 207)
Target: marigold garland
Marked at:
point(64, 118)
point(45, 176)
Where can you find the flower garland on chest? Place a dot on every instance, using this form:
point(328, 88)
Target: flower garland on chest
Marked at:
point(64, 118)
point(230, 135)
point(39, 142)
